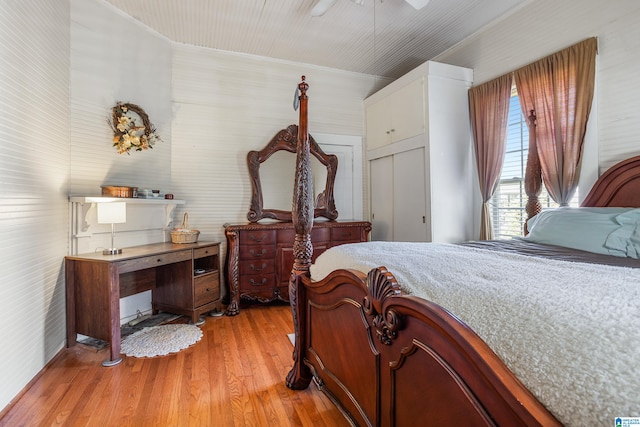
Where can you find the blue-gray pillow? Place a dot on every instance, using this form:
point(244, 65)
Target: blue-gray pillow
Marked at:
point(586, 229)
point(627, 237)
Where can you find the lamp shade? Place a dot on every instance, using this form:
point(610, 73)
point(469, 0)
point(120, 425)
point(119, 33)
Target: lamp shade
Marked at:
point(112, 213)
point(417, 4)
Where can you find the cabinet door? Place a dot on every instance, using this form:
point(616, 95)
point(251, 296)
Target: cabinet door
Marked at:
point(407, 111)
point(409, 197)
point(378, 124)
point(398, 116)
point(381, 172)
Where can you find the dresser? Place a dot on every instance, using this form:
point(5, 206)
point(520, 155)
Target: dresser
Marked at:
point(260, 256)
point(183, 278)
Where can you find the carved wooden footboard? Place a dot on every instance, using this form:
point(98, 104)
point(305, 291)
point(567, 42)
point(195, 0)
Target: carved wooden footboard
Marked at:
point(392, 360)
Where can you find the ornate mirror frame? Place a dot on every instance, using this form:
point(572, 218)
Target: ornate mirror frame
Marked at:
point(286, 139)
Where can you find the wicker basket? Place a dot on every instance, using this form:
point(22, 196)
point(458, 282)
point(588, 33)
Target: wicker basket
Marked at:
point(183, 234)
point(118, 191)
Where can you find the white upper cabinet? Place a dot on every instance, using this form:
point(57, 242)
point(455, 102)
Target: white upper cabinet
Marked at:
point(397, 116)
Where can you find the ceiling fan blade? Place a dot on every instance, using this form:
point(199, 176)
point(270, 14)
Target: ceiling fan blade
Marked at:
point(417, 4)
point(321, 7)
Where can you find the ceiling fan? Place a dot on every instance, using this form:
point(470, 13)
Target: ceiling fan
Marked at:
point(322, 6)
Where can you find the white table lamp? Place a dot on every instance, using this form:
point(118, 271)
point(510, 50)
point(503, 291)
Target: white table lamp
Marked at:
point(112, 213)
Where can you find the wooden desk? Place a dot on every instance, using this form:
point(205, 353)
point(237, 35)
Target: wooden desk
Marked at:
point(96, 282)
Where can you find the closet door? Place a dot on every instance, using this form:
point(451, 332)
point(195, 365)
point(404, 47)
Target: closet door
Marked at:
point(409, 197)
point(381, 173)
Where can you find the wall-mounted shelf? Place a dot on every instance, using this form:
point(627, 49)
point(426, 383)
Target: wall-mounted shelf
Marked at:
point(148, 221)
point(99, 199)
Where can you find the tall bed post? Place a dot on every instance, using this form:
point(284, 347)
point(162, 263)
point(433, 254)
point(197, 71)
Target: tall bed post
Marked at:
point(302, 216)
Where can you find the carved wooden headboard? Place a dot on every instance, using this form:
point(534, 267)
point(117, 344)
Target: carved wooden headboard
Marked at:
point(618, 186)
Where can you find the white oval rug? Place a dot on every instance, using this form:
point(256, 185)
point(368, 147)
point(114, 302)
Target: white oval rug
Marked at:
point(160, 340)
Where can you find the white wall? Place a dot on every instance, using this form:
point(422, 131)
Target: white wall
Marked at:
point(542, 27)
point(227, 104)
point(114, 58)
point(34, 173)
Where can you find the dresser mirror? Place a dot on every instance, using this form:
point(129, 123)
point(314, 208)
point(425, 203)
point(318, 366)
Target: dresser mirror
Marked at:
point(277, 177)
point(273, 168)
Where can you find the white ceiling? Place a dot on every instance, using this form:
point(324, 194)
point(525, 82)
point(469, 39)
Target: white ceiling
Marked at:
point(381, 37)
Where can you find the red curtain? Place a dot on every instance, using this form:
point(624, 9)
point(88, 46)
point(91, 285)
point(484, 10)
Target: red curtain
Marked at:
point(489, 111)
point(558, 90)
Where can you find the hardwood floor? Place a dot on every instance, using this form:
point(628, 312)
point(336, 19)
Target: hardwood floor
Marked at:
point(234, 376)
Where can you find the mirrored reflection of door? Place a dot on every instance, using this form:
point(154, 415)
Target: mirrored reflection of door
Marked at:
point(277, 176)
point(343, 188)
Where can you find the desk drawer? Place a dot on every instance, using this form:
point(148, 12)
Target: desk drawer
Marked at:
point(206, 289)
point(153, 261)
point(205, 252)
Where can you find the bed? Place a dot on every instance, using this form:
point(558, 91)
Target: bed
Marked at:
point(565, 349)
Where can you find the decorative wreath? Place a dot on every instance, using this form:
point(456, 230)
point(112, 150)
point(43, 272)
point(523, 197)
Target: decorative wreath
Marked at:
point(132, 129)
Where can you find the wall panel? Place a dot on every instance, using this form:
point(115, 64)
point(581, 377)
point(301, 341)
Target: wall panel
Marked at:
point(115, 58)
point(34, 174)
point(227, 104)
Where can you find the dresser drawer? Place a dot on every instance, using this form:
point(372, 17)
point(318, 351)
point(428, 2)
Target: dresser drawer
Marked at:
point(204, 252)
point(206, 289)
point(257, 283)
point(345, 235)
point(318, 234)
point(257, 237)
point(153, 261)
point(252, 252)
point(257, 266)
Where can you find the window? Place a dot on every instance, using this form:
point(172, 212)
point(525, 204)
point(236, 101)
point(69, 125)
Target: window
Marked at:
point(509, 201)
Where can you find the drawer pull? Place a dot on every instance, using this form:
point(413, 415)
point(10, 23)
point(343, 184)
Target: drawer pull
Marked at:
point(254, 268)
point(256, 254)
point(257, 239)
point(159, 260)
point(262, 282)
point(208, 289)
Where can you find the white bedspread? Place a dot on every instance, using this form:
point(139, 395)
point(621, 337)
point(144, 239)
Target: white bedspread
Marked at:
point(569, 331)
